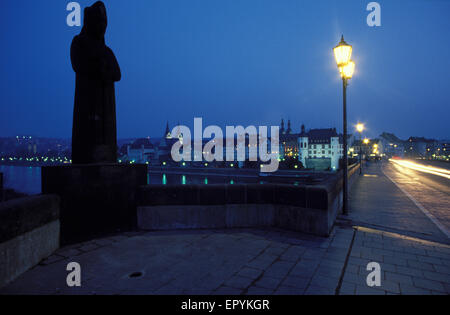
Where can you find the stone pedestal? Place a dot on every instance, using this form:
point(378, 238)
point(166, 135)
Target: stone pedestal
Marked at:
point(96, 199)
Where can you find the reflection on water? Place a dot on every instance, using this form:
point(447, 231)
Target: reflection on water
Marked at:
point(23, 179)
point(201, 179)
point(28, 179)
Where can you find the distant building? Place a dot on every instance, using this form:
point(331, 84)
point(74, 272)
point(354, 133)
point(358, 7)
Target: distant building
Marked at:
point(26, 145)
point(443, 151)
point(420, 147)
point(376, 147)
point(141, 151)
point(288, 142)
point(392, 145)
point(165, 146)
point(359, 147)
point(320, 148)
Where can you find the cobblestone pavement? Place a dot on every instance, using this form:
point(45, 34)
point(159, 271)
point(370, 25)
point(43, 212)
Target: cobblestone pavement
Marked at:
point(408, 265)
point(244, 261)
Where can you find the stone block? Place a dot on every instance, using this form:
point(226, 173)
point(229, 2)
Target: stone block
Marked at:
point(19, 216)
point(212, 195)
point(181, 217)
point(236, 194)
point(290, 195)
point(96, 199)
point(156, 195)
point(249, 215)
point(26, 250)
point(260, 194)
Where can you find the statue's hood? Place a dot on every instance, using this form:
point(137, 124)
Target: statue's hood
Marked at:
point(95, 21)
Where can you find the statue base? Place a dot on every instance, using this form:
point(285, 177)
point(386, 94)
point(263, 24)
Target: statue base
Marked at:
point(96, 199)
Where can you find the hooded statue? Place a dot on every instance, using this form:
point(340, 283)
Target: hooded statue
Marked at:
point(94, 135)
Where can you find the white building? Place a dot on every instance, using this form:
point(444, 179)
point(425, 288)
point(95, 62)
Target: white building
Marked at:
point(321, 148)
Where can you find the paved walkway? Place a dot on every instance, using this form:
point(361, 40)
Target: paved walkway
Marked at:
point(244, 261)
point(264, 261)
point(250, 261)
point(376, 201)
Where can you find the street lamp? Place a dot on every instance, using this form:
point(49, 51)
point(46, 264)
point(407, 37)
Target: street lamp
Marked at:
point(342, 54)
point(360, 129)
point(366, 142)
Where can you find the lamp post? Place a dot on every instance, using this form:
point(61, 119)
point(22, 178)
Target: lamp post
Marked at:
point(360, 129)
point(342, 54)
point(366, 142)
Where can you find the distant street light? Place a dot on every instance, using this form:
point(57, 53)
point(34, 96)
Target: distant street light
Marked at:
point(342, 54)
point(360, 129)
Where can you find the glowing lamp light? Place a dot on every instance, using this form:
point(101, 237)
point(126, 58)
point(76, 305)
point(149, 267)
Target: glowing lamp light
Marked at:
point(347, 70)
point(360, 128)
point(342, 53)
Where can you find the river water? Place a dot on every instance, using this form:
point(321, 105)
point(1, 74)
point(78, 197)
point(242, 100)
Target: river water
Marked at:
point(28, 179)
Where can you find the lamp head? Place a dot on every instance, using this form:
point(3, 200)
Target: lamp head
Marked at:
point(342, 53)
point(360, 127)
point(347, 70)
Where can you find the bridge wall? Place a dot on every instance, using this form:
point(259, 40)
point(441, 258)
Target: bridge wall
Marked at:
point(310, 208)
point(29, 232)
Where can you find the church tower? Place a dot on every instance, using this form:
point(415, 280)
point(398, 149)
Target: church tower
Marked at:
point(289, 130)
point(303, 143)
point(168, 135)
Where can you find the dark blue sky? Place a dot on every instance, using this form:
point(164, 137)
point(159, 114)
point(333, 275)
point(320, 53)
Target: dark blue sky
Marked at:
point(234, 62)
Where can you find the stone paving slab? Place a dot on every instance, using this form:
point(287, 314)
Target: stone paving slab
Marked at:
point(239, 261)
point(402, 271)
point(245, 262)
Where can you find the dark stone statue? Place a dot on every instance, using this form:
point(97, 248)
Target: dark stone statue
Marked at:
point(94, 135)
